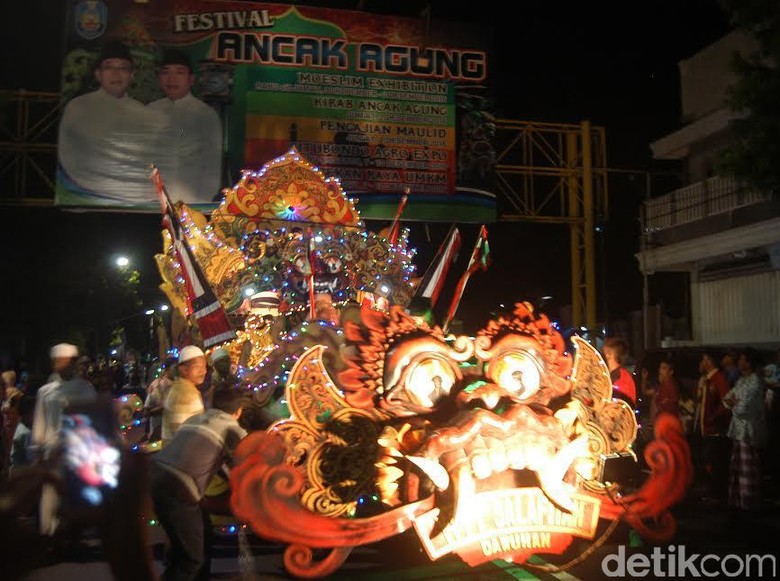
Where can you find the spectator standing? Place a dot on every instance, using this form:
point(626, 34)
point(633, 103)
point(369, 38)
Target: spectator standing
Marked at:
point(156, 395)
point(615, 352)
point(712, 423)
point(747, 430)
point(50, 403)
point(729, 366)
point(22, 439)
point(665, 396)
point(772, 453)
point(8, 416)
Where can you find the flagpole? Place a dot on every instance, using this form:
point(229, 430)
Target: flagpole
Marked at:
point(171, 222)
point(310, 256)
point(162, 192)
point(396, 227)
point(473, 266)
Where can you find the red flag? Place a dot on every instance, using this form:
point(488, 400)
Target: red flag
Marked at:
point(433, 281)
point(201, 301)
point(480, 260)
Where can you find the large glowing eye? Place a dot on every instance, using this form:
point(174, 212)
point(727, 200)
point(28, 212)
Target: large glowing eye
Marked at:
point(301, 264)
point(333, 263)
point(429, 380)
point(517, 372)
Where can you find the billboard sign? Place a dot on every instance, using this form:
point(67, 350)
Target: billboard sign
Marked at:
point(204, 90)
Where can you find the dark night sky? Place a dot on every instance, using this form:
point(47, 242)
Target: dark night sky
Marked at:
point(614, 63)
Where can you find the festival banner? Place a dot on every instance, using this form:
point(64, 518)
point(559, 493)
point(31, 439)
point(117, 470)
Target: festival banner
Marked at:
point(386, 104)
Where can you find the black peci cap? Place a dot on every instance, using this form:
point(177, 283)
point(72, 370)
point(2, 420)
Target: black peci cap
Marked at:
point(114, 49)
point(175, 57)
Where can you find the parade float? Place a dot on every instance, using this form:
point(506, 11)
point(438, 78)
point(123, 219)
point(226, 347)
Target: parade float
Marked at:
point(368, 420)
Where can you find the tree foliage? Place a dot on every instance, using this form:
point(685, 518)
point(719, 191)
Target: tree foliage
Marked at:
point(754, 156)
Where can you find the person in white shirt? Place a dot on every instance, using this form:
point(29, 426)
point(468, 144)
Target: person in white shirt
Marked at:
point(748, 432)
point(106, 137)
point(189, 153)
point(51, 401)
point(184, 399)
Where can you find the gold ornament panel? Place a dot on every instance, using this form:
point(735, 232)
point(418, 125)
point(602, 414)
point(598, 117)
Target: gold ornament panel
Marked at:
point(327, 439)
point(288, 189)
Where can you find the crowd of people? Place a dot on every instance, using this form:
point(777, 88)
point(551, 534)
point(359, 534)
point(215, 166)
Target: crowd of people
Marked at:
point(730, 416)
point(193, 407)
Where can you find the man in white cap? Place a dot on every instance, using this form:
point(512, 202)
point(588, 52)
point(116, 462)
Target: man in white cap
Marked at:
point(61, 356)
point(64, 357)
point(184, 399)
point(218, 374)
point(223, 375)
point(67, 389)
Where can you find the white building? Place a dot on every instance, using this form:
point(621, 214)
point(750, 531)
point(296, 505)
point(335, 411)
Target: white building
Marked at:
point(727, 237)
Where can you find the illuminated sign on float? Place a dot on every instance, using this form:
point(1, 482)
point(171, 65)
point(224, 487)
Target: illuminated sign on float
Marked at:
point(514, 523)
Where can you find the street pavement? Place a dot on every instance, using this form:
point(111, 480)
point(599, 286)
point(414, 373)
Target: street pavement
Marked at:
point(703, 529)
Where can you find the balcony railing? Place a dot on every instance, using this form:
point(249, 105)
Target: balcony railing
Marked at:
point(710, 197)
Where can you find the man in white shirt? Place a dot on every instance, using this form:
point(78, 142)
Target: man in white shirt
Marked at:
point(184, 399)
point(189, 154)
point(106, 137)
point(51, 401)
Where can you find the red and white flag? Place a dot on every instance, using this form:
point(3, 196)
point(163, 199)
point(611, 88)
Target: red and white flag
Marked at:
point(480, 260)
point(209, 314)
point(433, 281)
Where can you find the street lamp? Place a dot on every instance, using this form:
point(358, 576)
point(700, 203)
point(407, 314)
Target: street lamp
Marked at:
point(149, 312)
point(543, 302)
point(122, 261)
point(164, 307)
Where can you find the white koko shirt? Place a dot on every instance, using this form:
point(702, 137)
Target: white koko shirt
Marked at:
point(189, 150)
point(105, 147)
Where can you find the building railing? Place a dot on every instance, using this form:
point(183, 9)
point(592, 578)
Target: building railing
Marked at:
point(716, 195)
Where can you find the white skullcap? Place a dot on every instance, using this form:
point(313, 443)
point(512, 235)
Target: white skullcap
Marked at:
point(219, 353)
point(64, 350)
point(190, 352)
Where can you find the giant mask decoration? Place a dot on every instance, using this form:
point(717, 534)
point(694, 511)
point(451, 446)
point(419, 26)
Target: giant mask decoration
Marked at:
point(489, 447)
